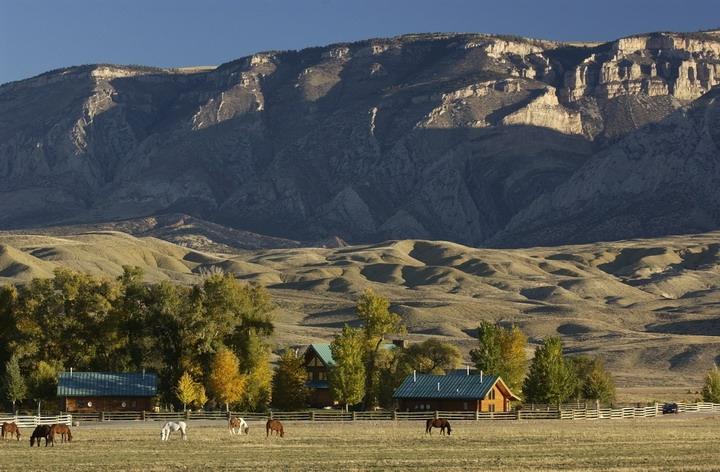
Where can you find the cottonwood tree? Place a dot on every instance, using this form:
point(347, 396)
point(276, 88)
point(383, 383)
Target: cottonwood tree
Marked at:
point(255, 366)
point(347, 376)
point(711, 389)
point(551, 378)
point(289, 389)
point(15, 388)
point(189, 391)
point(377, 322)
point(501, 352)
point(226, 383)
point(593, 381)
point(431, 356)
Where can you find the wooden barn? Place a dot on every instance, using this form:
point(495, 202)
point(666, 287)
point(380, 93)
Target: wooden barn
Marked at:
point(455, 392)
point(106, 391)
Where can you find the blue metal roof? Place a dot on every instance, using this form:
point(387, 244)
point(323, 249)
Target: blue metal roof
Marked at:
point(445, 386)
point(106, 384)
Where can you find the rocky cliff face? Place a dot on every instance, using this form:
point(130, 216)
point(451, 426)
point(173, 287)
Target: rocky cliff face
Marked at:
point(471, 138)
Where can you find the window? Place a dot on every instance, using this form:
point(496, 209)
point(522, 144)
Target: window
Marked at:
point(322, 375)
point(491, 395)
point(491, 407)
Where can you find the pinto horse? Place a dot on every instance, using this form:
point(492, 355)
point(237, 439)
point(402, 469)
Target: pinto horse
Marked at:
point(10, 428)
point(41, 431)
point(238, 426)
point(441, 423)
point(171, 427)
point(274, 425)
point(61, 429)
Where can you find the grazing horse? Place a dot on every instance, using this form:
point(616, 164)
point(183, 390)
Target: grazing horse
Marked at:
point(274, 425)
point(41, 431)
point(171, 427)
point(441, 423)
point(63, 430)
point(10, 428)
point(238, 426)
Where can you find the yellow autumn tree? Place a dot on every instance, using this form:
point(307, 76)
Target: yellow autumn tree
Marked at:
point(226, 382)
point(189, 391)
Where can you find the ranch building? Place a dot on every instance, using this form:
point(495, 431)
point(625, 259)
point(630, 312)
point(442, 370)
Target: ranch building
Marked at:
point(454, 392)
point(81, 392)
point(318, 362)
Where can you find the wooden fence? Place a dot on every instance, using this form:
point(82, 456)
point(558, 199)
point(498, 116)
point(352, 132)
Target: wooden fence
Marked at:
point(379, 415)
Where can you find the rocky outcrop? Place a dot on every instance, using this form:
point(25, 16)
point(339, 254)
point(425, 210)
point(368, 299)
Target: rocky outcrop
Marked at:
point(468, 137)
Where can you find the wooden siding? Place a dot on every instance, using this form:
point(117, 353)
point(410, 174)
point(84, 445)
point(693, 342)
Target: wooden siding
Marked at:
point(92, 404)
point(495, 400)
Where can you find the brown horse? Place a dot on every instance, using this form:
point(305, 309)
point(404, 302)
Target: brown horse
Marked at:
point(274, 425)
point(41, 431)
point(63, 430)
point(10, 428)
point(441, 423)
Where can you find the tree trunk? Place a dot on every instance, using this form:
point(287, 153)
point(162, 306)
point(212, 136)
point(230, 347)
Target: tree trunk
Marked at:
point(227, 406)
point(369, 374)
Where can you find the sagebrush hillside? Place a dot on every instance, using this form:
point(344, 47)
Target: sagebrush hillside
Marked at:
point(649, 307)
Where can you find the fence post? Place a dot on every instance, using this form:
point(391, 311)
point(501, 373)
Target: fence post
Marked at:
point(657, 407)
point(187, 415)
point(312, 416)
point(437, 414)
point(102, 416)
point(354, 416)
point(477, 415)
point(143, 416)
point(271, 414)
point(394, 415)
point(517, 414)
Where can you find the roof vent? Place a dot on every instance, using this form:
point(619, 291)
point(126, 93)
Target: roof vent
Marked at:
point(414, 375)
point(481, 375)
point(438, 386)
point(70, 371)
point(467, 369)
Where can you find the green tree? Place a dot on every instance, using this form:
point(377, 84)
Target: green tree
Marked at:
point(431, 356)
point(347, 376)
point(226, 382)
point(551, 378)
point(43, 380)
point(598, 385)
point(378, 321)
point(256, 368)
point(15, 388)
point(711, 389)
point(501, 352)
point(289, 389)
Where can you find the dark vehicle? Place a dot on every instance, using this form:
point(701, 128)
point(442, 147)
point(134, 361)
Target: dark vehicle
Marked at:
point(670, 408)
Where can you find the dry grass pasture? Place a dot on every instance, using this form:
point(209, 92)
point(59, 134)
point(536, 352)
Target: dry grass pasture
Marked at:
point(685, 442)
point(649, 307)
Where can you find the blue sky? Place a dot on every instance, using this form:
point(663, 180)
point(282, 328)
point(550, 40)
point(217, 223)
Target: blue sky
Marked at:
point(39, 35)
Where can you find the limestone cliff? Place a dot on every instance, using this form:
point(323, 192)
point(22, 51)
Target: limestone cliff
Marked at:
point(465, 137)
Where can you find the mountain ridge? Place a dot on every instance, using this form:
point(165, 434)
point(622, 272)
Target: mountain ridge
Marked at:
point(463, 137)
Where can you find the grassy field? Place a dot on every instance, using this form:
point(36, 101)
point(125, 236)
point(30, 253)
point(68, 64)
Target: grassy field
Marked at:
point(686, 442)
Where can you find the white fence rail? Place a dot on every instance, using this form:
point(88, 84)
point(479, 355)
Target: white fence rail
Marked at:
point(26, 421)
point(379, 415)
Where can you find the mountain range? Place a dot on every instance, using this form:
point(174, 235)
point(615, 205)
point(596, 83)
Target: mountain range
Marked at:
point(478, 139)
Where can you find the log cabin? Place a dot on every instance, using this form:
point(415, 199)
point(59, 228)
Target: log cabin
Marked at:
point(454, 392)
point(106, 391)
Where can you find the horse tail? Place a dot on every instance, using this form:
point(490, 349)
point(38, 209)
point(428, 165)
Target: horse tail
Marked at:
point(428, 426)
point(69, 435)
point(449, 428)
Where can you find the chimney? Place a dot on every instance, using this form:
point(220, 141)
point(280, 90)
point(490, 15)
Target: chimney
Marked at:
point(401, 343)
point(467, 369)
point(438, 386)
point(70, 371)
point(481, 375)
point(414, 375)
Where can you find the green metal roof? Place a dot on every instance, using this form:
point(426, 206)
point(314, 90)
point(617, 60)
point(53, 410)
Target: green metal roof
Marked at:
point(323, 351)
point(106, 384)
point(445, 386)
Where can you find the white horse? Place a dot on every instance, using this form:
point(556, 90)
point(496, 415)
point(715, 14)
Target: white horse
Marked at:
point(171, 427)
point(238, 426)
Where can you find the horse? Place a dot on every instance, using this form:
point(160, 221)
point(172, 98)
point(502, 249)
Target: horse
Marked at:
point(41, 431)
point(171, 427)
point(441, 423)
point(238, 426)
point(274, 425)
point(11, 428)
point(63, 430)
